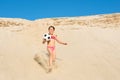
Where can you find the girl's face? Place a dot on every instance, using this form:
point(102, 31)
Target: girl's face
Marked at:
point(51, 31)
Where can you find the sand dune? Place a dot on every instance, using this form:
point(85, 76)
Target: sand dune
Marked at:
point(92, 53)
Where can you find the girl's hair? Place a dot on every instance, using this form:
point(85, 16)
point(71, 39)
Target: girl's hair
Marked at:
point(51, 27)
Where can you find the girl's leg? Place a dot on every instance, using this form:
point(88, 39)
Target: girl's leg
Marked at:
point(54, 60)
point(53, 56)
point(50, 57)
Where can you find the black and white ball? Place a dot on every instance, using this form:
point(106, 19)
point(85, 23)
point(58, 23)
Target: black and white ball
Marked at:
point(46, 36)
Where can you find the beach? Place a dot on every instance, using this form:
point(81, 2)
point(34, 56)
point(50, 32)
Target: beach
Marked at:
point(92, 53)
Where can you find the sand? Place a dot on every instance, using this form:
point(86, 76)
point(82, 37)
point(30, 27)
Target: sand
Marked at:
point(92, 53)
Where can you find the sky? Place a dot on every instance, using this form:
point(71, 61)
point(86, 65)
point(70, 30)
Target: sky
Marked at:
point(37, 9)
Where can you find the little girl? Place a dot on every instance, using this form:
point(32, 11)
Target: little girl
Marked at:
point(51, 46)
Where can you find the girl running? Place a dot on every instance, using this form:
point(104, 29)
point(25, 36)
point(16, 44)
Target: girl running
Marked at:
point(51, 46)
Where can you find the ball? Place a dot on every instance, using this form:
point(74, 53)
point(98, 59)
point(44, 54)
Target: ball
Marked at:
point(46, 36)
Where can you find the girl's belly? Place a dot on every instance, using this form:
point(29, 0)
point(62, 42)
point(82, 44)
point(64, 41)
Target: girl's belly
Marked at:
point(51, 43)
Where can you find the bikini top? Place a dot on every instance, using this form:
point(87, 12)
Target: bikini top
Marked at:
point(53, 37)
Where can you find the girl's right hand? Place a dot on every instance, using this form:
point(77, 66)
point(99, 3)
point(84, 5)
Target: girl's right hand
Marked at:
point(44, 40)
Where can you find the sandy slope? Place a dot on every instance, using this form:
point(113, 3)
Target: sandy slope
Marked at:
point(92, 53)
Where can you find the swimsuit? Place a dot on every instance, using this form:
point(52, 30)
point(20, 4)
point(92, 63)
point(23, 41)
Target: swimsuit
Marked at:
point(53, 37)
point(52, 48)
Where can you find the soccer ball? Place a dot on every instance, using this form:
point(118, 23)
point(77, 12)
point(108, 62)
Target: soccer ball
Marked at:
point(46, 36)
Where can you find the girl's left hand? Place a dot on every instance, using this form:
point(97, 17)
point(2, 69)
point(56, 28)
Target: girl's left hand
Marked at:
point(65, 43)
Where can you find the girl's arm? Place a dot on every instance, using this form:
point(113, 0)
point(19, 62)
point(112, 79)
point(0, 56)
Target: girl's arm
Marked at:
point(60, 41)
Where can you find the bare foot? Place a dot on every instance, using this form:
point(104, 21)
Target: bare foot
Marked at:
point(49, 70)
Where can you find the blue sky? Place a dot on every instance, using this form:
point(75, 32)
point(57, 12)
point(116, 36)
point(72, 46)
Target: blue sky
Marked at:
point(36, 9)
